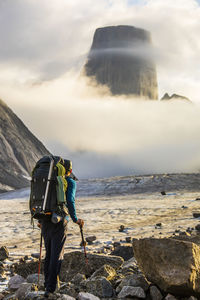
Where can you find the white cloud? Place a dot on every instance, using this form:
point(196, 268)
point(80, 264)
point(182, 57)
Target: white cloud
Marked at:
point(49, 40)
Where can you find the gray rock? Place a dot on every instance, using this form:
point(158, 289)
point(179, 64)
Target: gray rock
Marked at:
point(170, 297)
point(2, 271)
point(34, 295)
point(70, 267)
point(173, 265)
point(33, 278)
point(78, 278)
point(134, 280)
point(197, 227)
point(132, 291)
point(106, 271)
point(115, 61)
point(192, 298)
point(155, 293)
point(91, 239)
point(128, 239)
point(67, 297)
point(15, 282)
point(3, 253)
point(87, 296)
point(100, 287)
point(10, 297)
point(35, 255)
point(125, 251)
point(73, 263)
point(24, 289)
point(1, 296)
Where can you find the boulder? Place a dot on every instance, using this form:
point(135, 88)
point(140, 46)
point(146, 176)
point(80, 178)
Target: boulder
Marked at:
point(2, 271)
point(106, 271)
point(129, 266)
point(24, 289)
point(128, 291)
point(3, 253)
point(34, 295)
point(90, 239)
point(173, 265)
point(155, 293)
point(125, 251)
point(134, 280)
point(33, 278)
point(78, 278)
point(87, 296)
point(100, 287)
point(15, 282)
point(67, 297)
point(170, 297)
point(196, 214)
point(74, 262)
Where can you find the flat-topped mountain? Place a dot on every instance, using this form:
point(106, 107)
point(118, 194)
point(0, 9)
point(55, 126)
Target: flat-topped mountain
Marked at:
point(19, 150)
point(120, 58)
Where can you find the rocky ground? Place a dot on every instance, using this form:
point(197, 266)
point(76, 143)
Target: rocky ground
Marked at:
point(116, 212)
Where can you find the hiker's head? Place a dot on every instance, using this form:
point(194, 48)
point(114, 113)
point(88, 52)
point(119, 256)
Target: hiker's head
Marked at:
point(68, 166)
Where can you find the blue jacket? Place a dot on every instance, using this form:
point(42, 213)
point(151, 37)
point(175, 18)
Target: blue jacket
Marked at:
point(70, 198)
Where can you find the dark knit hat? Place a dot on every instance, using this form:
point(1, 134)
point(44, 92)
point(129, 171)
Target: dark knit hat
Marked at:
point(68, 164)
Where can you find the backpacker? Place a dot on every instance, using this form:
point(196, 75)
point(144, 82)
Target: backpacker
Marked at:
point(48, 187)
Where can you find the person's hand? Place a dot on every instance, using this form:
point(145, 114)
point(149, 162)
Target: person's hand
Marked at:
point(39, 225)
point(80, 222)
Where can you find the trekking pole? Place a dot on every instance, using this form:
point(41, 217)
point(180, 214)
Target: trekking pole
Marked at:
point(40, 259)
point(84, 243)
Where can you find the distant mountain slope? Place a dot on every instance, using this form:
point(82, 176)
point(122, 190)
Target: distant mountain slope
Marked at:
point(19, 150)
point(175, 97)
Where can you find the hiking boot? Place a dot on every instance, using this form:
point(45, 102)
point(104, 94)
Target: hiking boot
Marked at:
point(47, 294)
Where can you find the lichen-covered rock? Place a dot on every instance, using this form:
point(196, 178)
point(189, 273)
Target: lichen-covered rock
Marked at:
point(74, 262)
point(15, 282)
point(24, 289)
point(100, 287)
point(3, 253)
point(87, 296)
point(173, 265)
point(132, 291)
point(106, 271)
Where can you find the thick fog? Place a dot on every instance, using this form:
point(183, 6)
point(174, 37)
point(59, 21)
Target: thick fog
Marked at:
point(44, 45)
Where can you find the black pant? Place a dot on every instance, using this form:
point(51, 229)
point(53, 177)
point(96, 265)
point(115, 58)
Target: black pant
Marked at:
point(54, 240)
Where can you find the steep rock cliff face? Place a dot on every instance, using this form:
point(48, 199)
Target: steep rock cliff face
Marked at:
point(120, 58)
point(19, 150)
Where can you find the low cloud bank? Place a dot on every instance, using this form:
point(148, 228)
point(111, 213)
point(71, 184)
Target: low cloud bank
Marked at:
point(105, 135)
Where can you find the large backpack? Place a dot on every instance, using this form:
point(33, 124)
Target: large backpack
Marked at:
point(48, 187)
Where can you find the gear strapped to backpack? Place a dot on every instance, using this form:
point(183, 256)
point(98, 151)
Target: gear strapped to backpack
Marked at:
point(48, 188)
